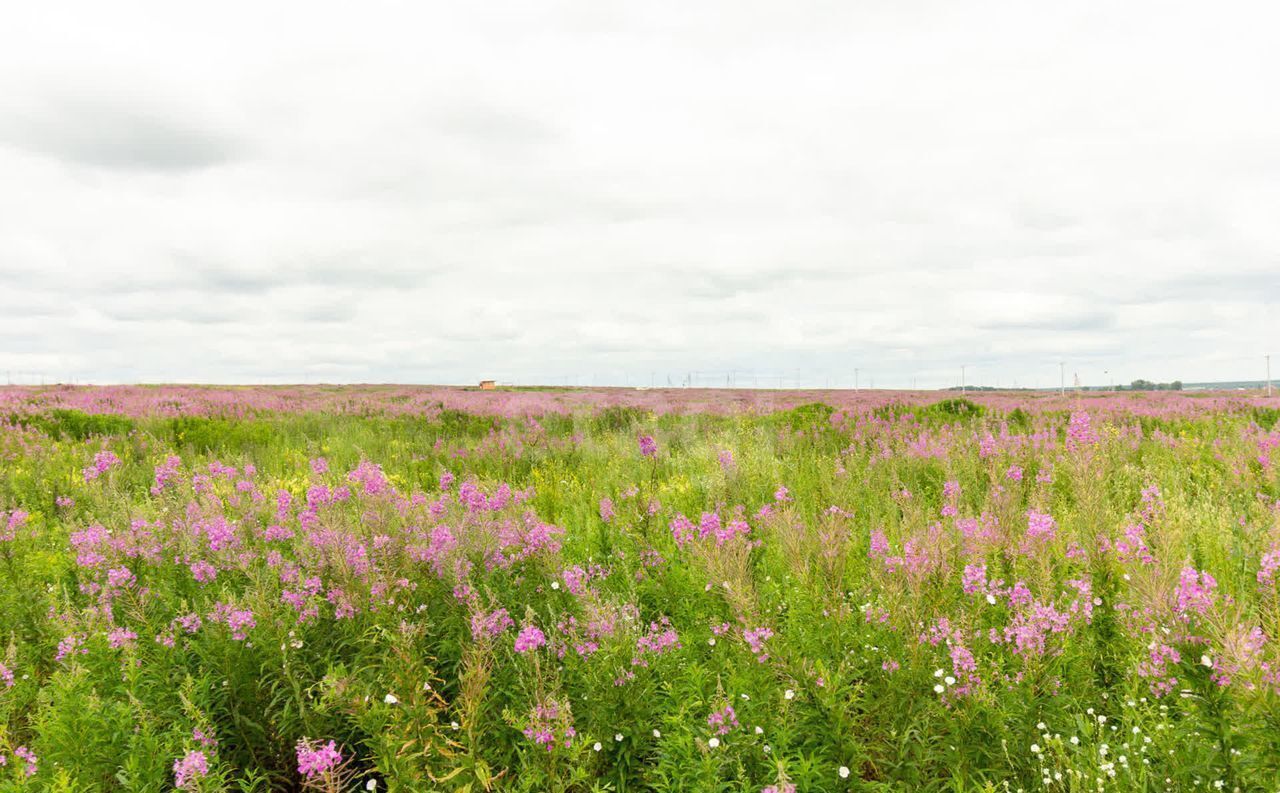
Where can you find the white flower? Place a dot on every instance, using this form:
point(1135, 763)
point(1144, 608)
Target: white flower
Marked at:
point(1206, 661)
point(1041, 726)
point(939, 672)
point(1075, 741)
point(657, 734)
point(596, 746)
point(759, 730)
point(991, 599)
point(713, 743)
point(712, 641)
point(555, 584)
point(426, 686)
point(938, 689)
point(618, 737)
point(951, 681)
point(1102, 719)
point(390, 699)
point(372, 784)
point(843, 772)
point(789, 694)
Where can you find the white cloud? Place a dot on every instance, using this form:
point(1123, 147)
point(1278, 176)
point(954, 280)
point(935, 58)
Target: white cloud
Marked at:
point(581, 191)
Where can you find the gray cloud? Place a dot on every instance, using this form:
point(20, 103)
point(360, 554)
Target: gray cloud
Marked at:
point(1088, 321)
point(111, 133)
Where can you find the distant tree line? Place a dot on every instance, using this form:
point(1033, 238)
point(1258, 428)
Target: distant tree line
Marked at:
point(1136, 385)
point(1147, 385)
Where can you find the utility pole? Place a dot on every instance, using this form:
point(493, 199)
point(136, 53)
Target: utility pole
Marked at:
point(855, 378)
point(1062, 378)
point(1268, 357)
point(963, 388)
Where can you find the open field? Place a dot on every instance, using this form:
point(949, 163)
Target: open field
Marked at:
point(404, 588)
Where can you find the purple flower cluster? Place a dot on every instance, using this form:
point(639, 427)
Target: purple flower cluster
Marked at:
point(192, 766)
point(530, 638)
point(315, 760)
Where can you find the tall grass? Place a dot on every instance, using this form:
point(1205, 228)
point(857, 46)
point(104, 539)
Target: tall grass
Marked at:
point(948, 596)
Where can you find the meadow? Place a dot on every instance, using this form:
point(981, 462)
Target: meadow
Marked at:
point(394, 588)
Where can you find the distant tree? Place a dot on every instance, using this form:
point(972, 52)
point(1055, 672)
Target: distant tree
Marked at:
point(1147, 385)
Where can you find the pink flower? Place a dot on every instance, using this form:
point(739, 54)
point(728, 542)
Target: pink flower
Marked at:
point(9, 526)
point(194, 765)
point(1080, 434)
point(530, 638)
point(1040, 526)
point(29, 757)
point(723, 720)
point(314, 761)
point(755, 639)
point(103, 461)
point(490, 626)
point(120, 637)
point(166, 472)
point(648, 446)
point(1269, 565)
point(1195, 592)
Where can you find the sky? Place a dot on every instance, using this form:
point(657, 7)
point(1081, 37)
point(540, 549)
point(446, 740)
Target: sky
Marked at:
point(724, 192)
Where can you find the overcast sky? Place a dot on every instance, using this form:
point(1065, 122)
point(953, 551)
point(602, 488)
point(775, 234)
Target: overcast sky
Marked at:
point(596, 191)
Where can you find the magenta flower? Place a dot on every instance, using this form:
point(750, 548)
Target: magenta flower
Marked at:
point(9, 526)
point(103, 461)
point(550, 723)
point(314, 761)
point(490, 626)
point(648, 446)
point(29, 758)
point(723, 720)
point(193, 765)
point(530, 638)
point(120, 637)
point(1040, 526)
point(1195, 592)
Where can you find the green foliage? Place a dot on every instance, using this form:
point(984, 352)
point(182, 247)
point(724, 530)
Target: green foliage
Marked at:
point(225, 436)
point(803, 418)
point(952, 409)
point(74, 424)
point(846, 679)
point(617, 418)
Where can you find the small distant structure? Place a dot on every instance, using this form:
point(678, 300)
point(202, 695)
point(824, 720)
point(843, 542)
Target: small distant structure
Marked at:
point(488, 385)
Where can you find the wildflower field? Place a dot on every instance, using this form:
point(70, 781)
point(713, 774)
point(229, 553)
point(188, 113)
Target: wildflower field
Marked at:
point(438, 589)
